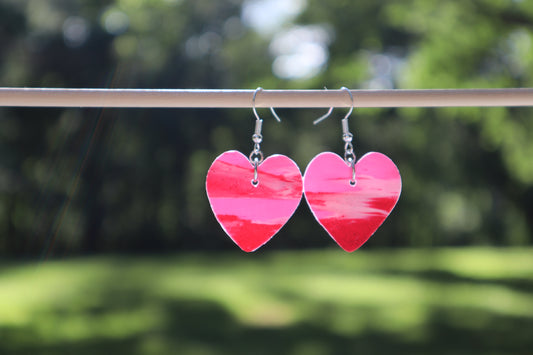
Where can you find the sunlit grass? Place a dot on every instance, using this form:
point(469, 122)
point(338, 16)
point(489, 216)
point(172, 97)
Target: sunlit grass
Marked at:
point(408, 298)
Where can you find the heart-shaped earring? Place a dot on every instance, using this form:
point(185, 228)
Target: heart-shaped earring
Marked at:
point(351, 199)
point(252, 198)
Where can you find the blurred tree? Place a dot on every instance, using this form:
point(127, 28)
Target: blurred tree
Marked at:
point(467, 172)
point(90, 180)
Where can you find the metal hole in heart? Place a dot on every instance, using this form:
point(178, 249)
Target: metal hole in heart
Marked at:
point(353, 183)
point(254, 182)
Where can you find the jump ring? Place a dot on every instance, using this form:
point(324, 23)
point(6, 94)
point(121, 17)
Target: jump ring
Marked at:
point(256, 157)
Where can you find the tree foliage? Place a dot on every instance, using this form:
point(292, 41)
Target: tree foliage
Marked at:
point(88, 180)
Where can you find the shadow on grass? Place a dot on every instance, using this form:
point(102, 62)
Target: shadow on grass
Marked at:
point(199, 327)
point(123, 306)
point(515, 284)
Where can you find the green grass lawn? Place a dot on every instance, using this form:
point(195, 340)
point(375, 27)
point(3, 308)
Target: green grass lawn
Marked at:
point(442, 301)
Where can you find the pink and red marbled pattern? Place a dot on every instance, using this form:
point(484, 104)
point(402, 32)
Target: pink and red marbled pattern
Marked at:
point(251, 215)
point(351, 214)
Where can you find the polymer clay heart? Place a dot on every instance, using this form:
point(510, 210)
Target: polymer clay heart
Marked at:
point(249, 214)
point(351, 213)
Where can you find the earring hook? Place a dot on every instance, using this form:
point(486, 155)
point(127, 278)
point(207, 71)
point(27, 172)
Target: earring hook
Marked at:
point(351, 98)
point(256, 156)
point(324, 116)
point(259, 89)
point(347, 137)
point(321, 118)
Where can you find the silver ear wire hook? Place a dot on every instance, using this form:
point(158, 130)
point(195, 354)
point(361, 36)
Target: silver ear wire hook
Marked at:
point(259, 89)
point(322, 118)
point(279, 119)
point(347, 137)
point(256, 156)
point(351, 98)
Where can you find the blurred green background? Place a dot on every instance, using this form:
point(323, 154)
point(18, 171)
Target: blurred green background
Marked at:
point(107, 241)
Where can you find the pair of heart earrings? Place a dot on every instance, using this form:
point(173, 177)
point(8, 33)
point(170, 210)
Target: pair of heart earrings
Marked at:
point(252, 198)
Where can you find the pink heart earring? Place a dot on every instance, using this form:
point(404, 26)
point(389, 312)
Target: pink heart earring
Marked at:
point(252, 197)
point(350, 199)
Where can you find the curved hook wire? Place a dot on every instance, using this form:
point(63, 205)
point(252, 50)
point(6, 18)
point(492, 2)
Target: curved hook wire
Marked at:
point(259, 89)
point(321, 118)
point(324, 116)
point(351, 98)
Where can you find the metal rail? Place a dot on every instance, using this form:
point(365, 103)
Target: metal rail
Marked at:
point(200, 98)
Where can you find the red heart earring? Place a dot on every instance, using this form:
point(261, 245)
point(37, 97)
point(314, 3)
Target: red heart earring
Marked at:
point(252, 197)
point(351, 199)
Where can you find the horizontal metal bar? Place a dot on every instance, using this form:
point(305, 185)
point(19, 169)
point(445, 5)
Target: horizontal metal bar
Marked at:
point(200, 98)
